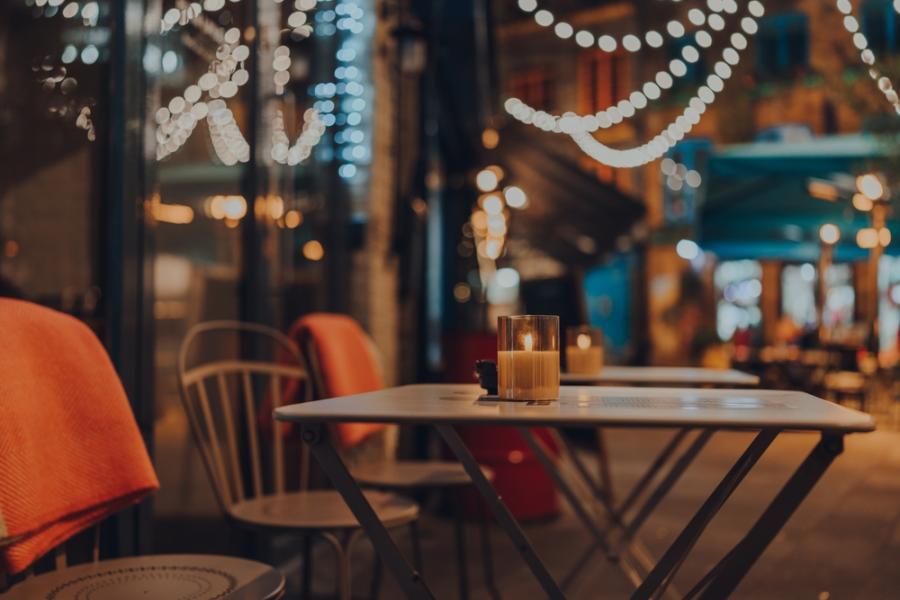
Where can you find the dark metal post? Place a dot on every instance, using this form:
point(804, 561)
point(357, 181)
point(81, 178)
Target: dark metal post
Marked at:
point(127, 266)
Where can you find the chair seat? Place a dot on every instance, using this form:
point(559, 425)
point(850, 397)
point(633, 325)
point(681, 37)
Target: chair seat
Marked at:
point(320, 509)
point(415, 474)
point(164, 577)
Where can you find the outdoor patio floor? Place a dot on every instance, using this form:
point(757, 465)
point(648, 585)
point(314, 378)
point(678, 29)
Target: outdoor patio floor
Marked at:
point(843, 542)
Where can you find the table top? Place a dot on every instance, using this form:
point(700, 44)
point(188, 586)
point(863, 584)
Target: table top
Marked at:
point(589, 406)
point(663, 376)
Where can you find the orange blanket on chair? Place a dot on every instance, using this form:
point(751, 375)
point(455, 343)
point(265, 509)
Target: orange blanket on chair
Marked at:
point(345, 362)
point(71, 453)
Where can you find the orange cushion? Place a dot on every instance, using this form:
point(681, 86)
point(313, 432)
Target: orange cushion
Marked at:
point(346, 364)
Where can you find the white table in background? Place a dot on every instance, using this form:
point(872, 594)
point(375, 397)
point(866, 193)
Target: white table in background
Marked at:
point(769, 413)
point(663, 376)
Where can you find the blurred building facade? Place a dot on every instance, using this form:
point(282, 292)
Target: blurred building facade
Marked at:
point(799, 81)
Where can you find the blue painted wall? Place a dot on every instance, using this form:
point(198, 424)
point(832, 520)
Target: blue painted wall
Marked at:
point(607, 292)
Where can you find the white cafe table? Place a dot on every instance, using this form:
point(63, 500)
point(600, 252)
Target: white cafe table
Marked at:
point(663, 376)
point(769, 413)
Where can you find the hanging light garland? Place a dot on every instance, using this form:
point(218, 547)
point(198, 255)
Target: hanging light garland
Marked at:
point(851, 24)
point(227, 73)
point(90, 11)
point(631, 42)
point(678, 175)
point(313, 129)
point(187, 12)
point(177, 121)
point(580, 127)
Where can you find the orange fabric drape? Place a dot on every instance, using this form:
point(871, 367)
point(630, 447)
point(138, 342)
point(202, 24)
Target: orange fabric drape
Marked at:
point(345, 362)
point(71, 453)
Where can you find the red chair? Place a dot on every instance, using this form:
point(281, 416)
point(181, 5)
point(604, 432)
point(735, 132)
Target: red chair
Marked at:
point(343, 361)
point(71, 455)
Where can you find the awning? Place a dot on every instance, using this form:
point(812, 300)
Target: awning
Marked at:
point(572, 216)
point(757, 202)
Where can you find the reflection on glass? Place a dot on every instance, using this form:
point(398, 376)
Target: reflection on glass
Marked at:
point(54, 75)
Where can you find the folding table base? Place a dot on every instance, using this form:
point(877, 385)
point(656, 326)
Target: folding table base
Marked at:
point(719, 582)
point(407, 578)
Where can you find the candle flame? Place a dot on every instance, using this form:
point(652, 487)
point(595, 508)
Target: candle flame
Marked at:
point(528, 342)
point(583, 341)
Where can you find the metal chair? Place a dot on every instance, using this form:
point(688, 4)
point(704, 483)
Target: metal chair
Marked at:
point(219, 397)
point(409, 476)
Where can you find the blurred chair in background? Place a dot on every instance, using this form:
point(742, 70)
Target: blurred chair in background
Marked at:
point(344, 361)
point(219, 396)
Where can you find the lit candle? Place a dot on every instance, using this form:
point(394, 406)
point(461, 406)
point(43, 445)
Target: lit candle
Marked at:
point(528, 358)
point(584, 350)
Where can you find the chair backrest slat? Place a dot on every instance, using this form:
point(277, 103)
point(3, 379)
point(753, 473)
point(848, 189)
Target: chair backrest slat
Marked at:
point(60, 559)
point(213, 440)
point(277, 439)
point(237, 478)
point(252, 436)
point(217, 426)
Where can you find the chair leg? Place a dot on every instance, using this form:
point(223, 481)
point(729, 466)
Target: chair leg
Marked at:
point(462, 567)
point(487, 553)
point(307, 568)
point(377, 575)
point(349, 542)
point(342, 562)
point(416, 547)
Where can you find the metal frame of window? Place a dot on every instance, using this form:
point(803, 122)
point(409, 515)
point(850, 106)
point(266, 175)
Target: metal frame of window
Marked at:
point(127, 255)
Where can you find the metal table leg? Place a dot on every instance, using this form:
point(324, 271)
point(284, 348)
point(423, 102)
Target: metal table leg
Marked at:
point(605, 470)
point(602, 493)
point(656, 582)
point(651, 472)
point(407, 578)
point(544, 458)
point(636, 562)
point(671, 478)
point(501, 512)
point(729, 573)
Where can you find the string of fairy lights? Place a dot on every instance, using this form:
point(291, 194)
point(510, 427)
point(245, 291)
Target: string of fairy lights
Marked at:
point(631, 42)
point(580, 127)
point(342, 103)
point(851, 24)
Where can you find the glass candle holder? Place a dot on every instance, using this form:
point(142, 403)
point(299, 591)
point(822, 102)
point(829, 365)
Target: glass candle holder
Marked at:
point(584, 350)
point(528, 357)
